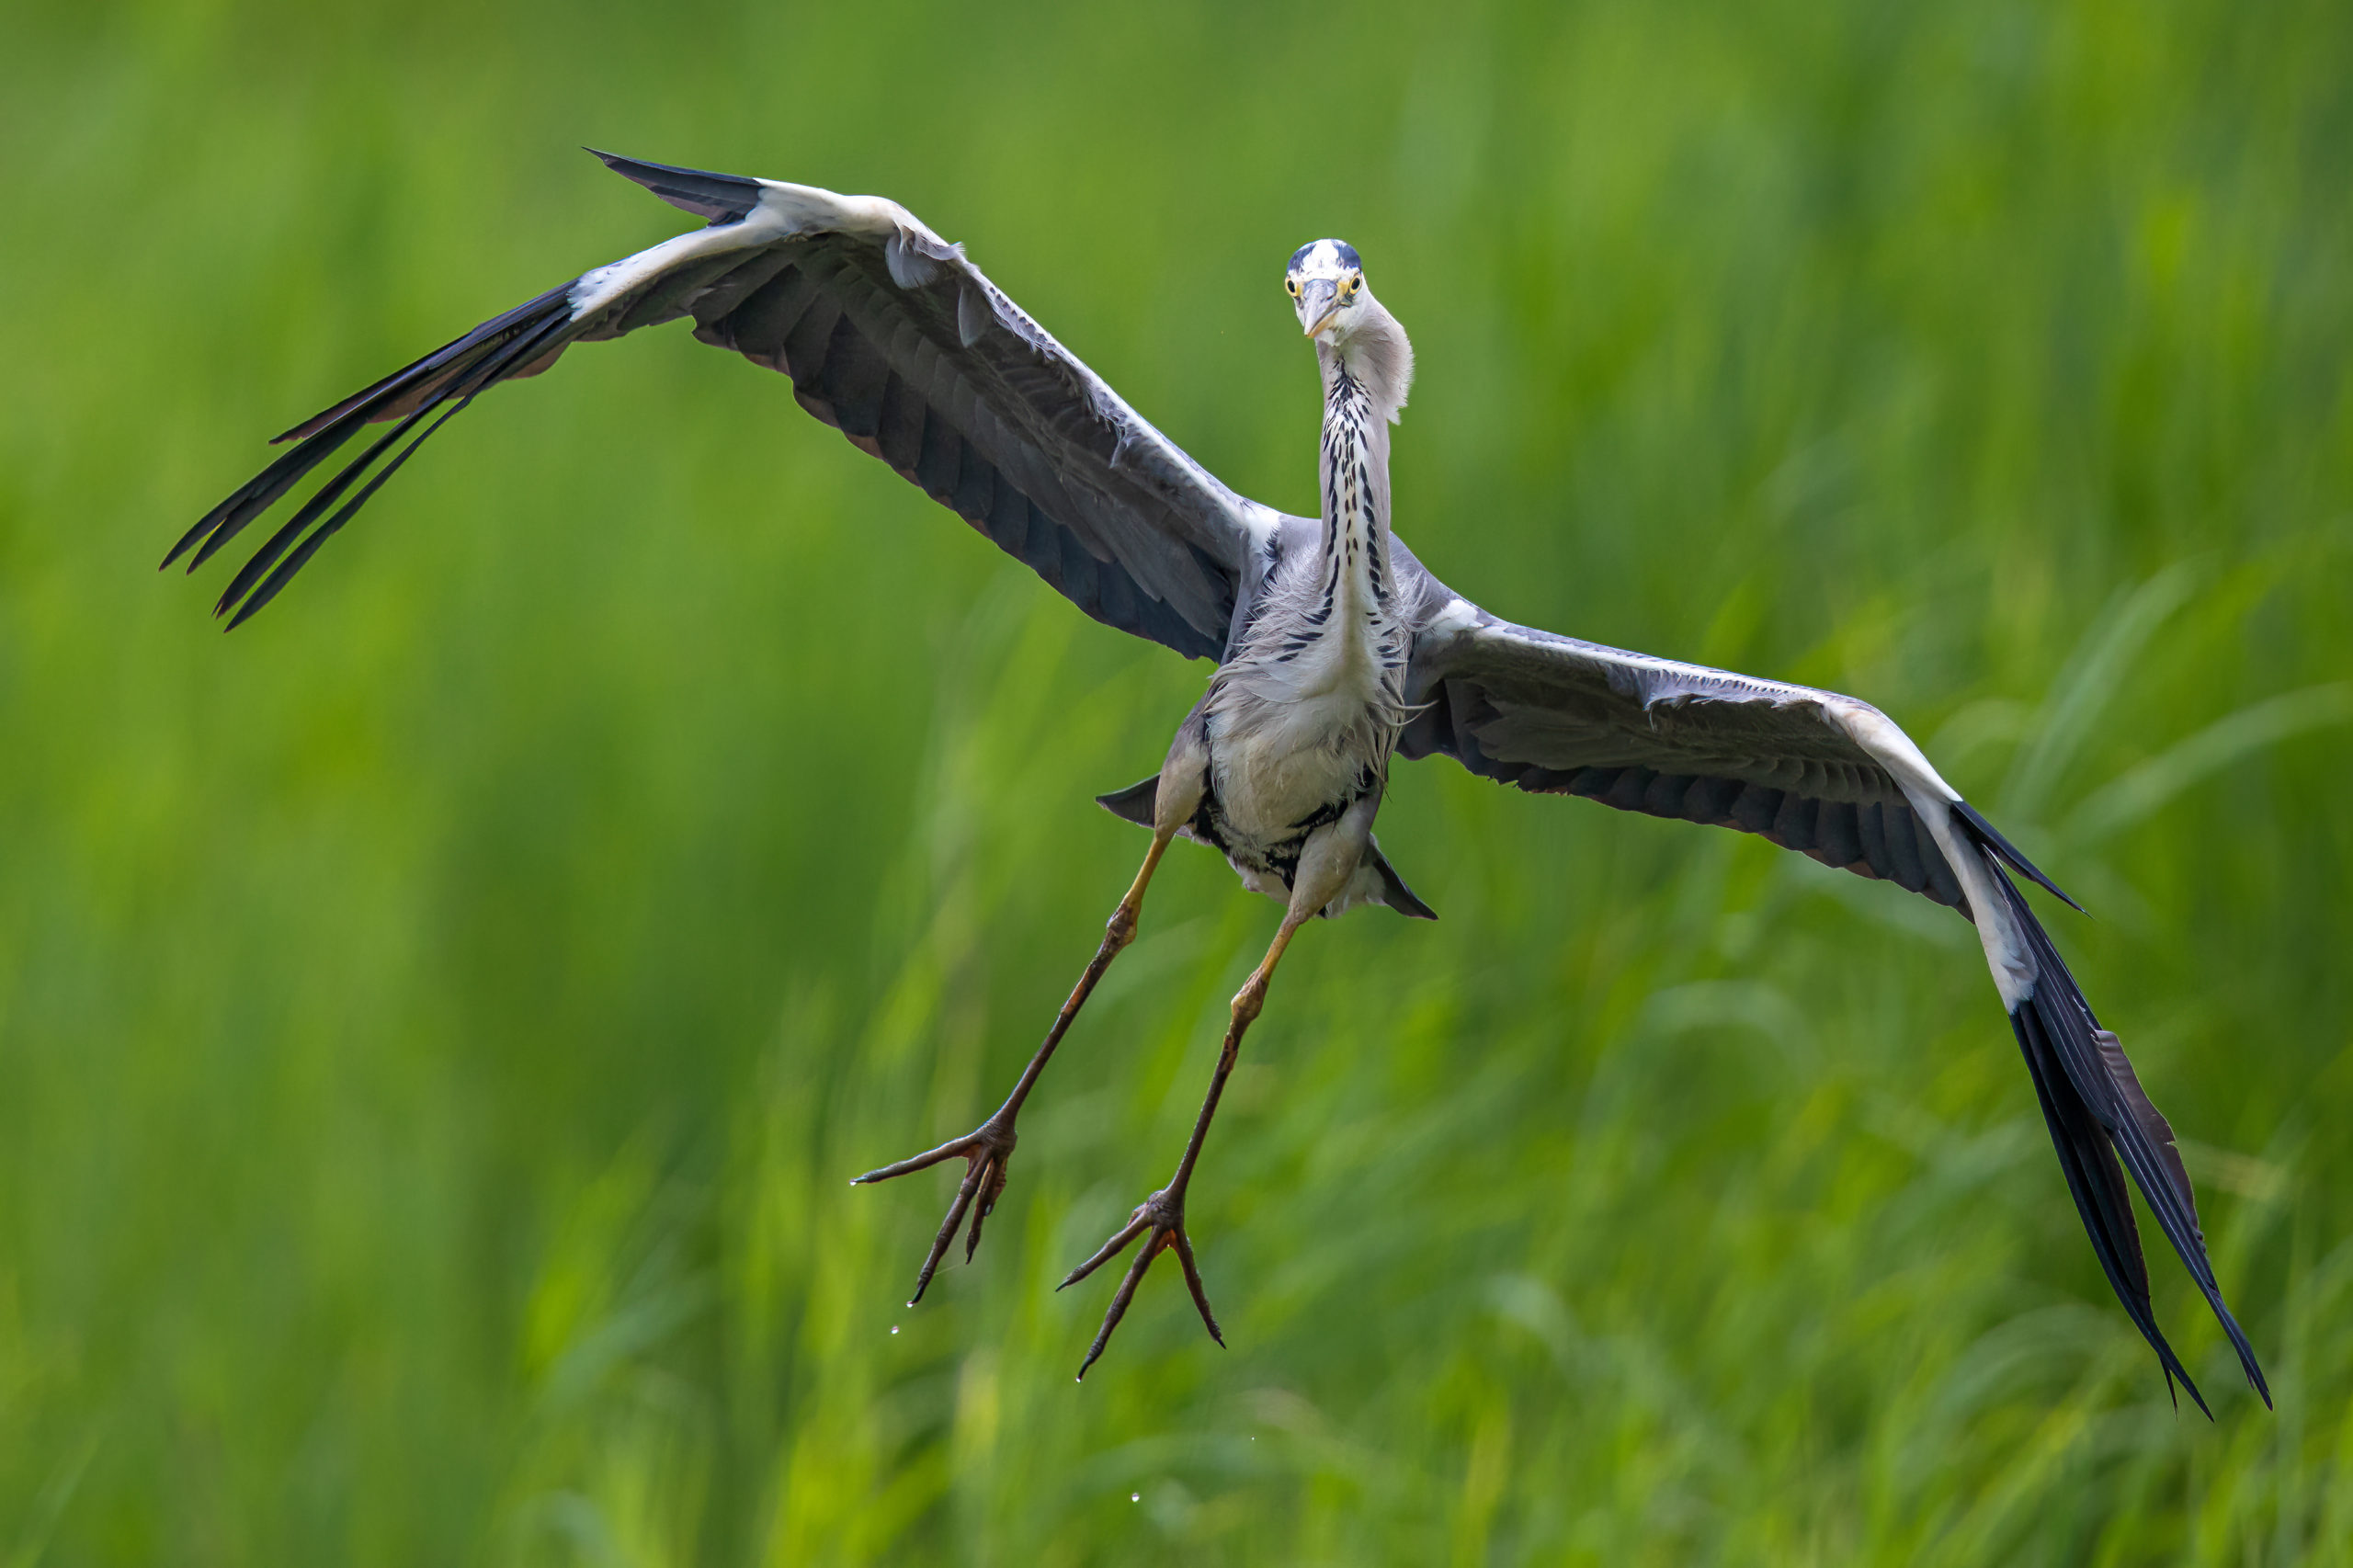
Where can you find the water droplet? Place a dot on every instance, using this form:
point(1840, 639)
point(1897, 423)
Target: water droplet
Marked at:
point(1135, 1496)
point(894, 1328)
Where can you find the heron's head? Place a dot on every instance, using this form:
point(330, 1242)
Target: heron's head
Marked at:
point(1353, 331)
point(1327, 285)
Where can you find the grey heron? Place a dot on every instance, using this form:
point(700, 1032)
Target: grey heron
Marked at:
point(1335, 651)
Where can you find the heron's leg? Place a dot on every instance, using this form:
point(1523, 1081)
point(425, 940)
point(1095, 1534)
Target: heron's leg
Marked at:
point(988, 1149)
point(1324, 869)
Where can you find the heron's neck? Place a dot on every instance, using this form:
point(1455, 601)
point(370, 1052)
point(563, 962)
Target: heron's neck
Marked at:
point(1354, 471)
point(1331, 632)
point(1365, 380)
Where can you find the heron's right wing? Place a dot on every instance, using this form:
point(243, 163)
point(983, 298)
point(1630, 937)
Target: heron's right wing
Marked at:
point(890, 336)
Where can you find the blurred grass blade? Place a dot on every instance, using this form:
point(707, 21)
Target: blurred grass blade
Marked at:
point(2135, 796)
point(2103, 663)
point(49, 1503)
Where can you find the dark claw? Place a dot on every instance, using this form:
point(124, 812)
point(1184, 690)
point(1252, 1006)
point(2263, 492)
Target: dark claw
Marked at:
point(1193, 1283)
point(987, 1150)
point(1119, 1309)
point(1111, 1249)
point(1160, 1219)
point(985, 1207)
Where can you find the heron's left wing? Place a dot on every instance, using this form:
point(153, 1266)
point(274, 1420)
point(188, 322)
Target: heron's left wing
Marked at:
point(1834, 779)
point(891, 336)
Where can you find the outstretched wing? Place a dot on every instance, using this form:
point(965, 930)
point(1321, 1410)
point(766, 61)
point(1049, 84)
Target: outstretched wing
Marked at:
point(891, 336)
point(1834, 779)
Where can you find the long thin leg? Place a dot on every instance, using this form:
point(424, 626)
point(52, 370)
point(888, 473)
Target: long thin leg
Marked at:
point(988, 1149)
point(1327, 862)
point(1162, 1214)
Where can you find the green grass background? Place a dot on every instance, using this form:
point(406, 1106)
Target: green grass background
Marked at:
point(437, 1023)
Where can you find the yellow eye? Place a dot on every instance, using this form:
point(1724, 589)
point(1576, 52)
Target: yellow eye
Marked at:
point(1292, 284)
point(1348, 287)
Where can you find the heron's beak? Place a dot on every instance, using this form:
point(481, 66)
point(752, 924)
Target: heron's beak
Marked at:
point(1318, 304)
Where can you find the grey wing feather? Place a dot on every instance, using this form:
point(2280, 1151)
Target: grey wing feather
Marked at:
point(1555, 715)
point(890, 335)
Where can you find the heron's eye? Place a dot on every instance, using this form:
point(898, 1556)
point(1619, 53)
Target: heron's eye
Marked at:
point(1348, 287)
point(1292, 284)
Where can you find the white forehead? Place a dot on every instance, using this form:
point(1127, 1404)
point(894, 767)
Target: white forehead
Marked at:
point(1324, 258)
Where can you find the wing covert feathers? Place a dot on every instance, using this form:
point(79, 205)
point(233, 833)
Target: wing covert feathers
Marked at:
point(1553, 715)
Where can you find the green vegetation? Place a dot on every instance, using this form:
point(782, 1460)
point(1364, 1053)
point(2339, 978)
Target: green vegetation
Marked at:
point(437, 1024)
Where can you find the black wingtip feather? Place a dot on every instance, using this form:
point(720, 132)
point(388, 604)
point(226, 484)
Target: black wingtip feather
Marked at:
point(310, 511)
point(381, 400)
point(2093, 1181)
point(431, 378)
point(721, 198)
point(2094, 1124)
point(1991, 837)
point(459, 394)
point(294, 562)
point(453, 373)
point(255, 497)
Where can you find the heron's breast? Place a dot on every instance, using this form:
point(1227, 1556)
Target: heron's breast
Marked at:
point(1274, 765)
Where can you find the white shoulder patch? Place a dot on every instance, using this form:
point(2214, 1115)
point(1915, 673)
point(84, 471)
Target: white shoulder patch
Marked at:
point(1877, 734)
point(603, 285)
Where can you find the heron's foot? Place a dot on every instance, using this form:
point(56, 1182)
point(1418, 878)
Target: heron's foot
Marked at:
point(1160, 1221)
point(986, 1151)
